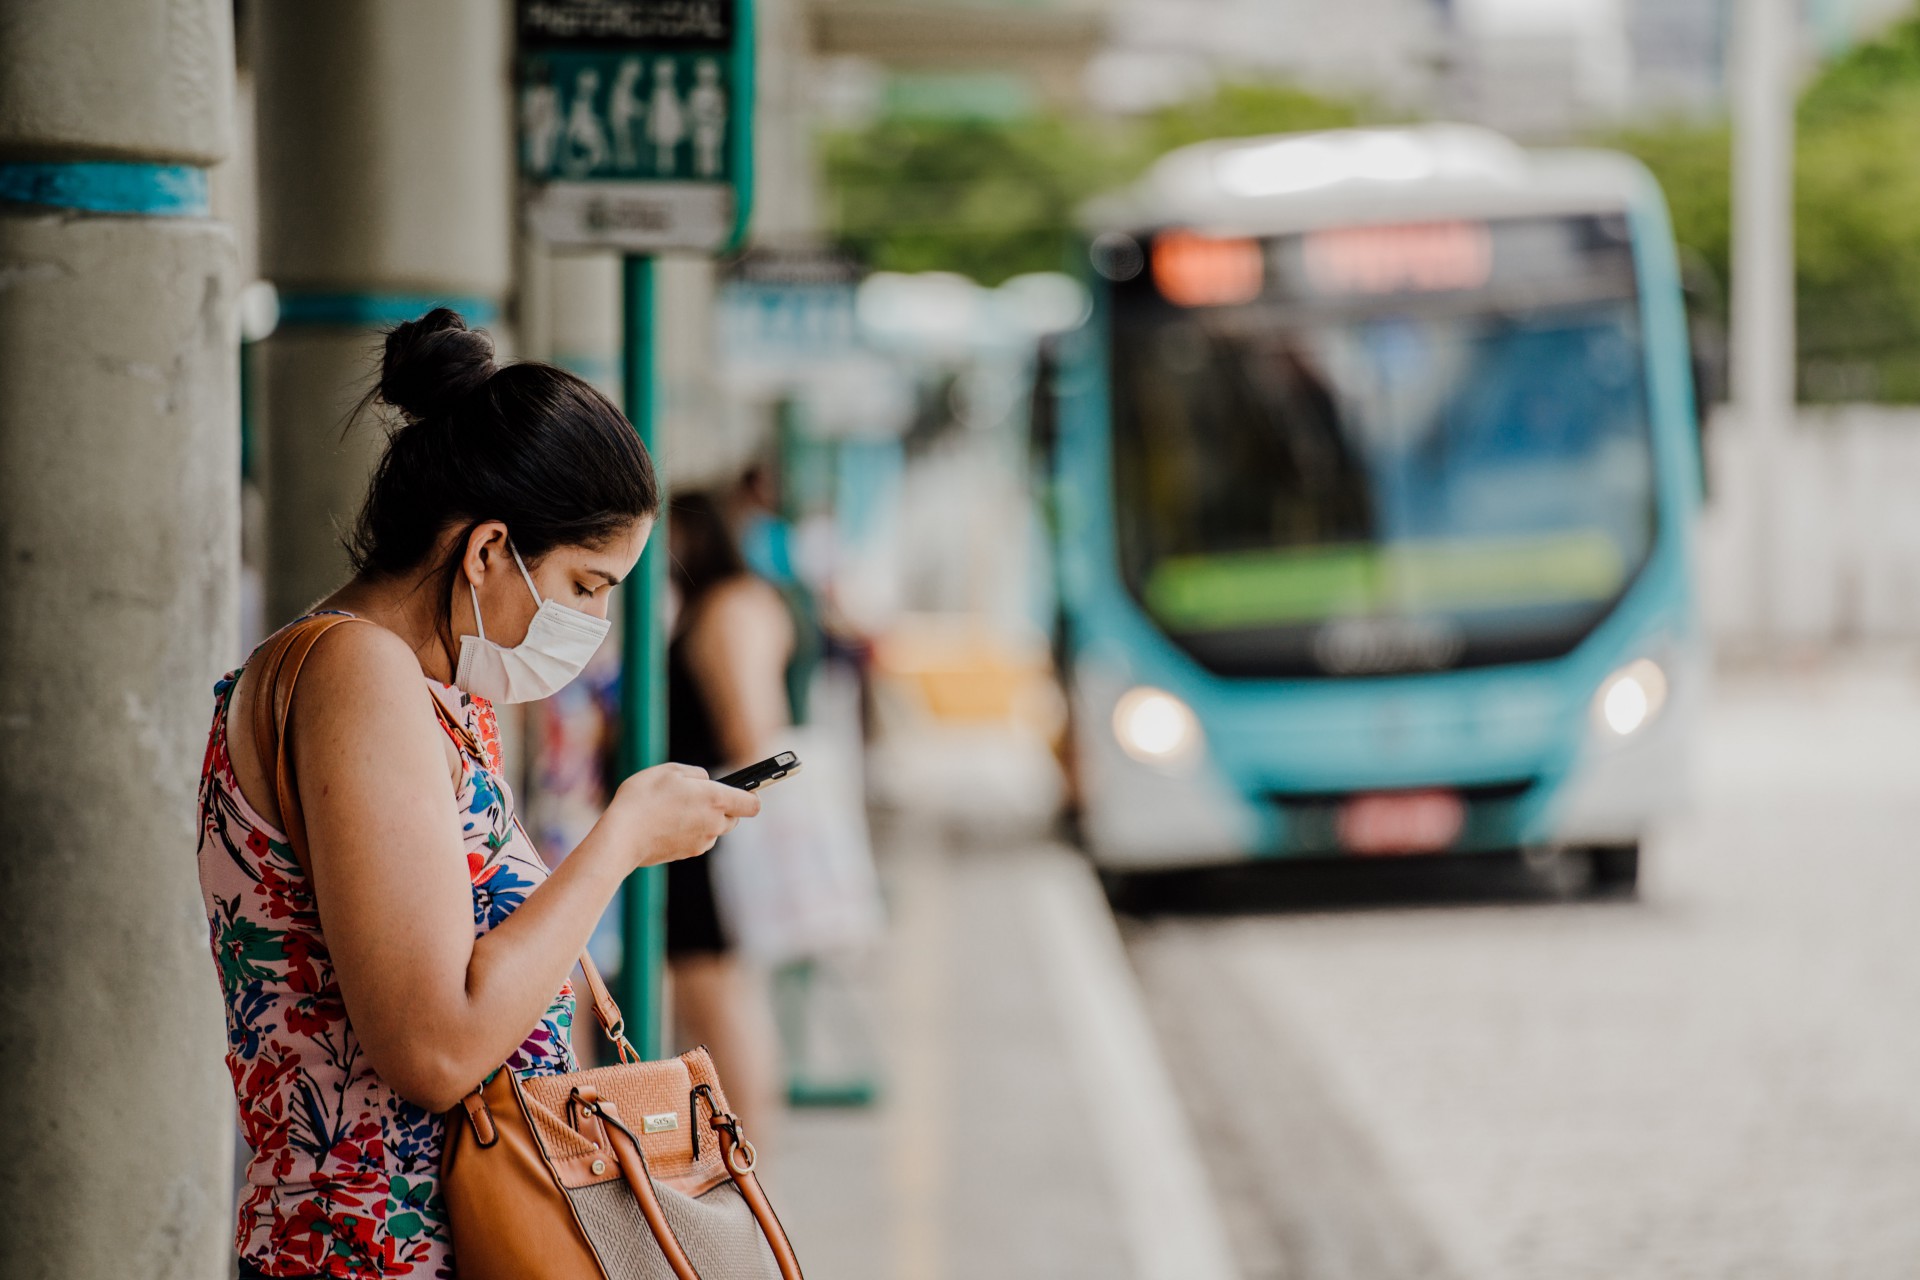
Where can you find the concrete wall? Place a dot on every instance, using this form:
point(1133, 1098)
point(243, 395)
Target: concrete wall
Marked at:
point(1846, 568)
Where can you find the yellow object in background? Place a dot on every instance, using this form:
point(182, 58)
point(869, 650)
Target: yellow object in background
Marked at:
point(961, 669)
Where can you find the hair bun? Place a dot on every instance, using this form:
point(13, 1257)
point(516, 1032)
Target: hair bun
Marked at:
point(431, 362)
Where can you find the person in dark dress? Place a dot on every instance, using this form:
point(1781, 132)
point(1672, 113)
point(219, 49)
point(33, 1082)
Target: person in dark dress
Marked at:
point(727, 703)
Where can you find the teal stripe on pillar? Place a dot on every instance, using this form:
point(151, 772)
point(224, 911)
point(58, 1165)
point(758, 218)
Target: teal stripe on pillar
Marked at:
point(372, 310)
point(101, 186)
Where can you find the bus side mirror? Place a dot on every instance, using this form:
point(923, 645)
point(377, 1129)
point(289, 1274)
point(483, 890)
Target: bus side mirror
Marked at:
point(1707, 347)
point(1044, 415)
point(1707, 351)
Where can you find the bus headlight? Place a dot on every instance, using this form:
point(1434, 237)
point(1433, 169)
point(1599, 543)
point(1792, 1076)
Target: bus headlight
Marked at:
point(1629, 699)
point(1154, 727)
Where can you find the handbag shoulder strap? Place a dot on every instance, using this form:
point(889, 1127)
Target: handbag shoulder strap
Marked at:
point(605, 1011)
point(279, 670)
point(280, 662)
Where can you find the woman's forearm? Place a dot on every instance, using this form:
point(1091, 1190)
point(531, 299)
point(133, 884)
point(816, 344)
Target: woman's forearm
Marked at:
point(517, 967)
point(439, 1009)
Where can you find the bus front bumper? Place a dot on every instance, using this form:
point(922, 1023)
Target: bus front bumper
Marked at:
point(1580, 787)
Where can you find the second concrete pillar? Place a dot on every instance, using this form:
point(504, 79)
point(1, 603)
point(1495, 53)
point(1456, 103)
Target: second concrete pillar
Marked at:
point(386, 188)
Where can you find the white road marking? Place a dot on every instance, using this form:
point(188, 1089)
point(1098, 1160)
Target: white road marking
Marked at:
point(1172, 1225)
point(920, 1147)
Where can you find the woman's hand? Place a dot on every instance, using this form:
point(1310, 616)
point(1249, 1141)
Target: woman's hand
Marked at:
point(673, 811)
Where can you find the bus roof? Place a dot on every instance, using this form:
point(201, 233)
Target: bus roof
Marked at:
point(1291, 182)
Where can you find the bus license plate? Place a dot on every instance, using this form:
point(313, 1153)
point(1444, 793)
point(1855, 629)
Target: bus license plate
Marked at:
point(1387, 824)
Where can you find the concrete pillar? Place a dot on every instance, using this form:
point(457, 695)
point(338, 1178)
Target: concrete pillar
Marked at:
point(569, 314)
point(696, 436)
point(386, 187)
point(786, 182)
point(119, 502)
point(583, 318)
point(1764, 361)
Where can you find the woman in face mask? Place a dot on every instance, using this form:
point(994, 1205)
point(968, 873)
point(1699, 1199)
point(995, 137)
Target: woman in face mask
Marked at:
point(413, 943)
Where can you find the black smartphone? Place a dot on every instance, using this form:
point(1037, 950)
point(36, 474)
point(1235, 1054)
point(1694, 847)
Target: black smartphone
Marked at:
point(764, 774)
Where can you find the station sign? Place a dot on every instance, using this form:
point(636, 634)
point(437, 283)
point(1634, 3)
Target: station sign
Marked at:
point(789, 308)
point(635, 121)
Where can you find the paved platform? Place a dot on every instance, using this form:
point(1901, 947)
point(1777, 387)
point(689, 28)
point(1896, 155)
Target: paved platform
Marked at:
point(1027, 1126)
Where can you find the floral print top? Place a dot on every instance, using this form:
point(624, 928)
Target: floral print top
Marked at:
point(344, 1179)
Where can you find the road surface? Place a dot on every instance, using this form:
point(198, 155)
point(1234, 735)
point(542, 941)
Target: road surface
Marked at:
point(1721, 1079)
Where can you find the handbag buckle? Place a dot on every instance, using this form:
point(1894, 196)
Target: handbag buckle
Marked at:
point(618, 1034)
point(743, 1157)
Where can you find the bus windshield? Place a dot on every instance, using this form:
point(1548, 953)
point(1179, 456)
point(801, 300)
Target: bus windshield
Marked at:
point(1391, 449)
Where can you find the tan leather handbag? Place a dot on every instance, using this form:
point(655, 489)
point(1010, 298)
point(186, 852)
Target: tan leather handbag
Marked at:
point(637, 1171)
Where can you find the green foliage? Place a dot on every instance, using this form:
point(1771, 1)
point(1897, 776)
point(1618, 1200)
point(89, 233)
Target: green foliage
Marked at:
point(1857, 222)
point(1862, 82)
point(1856, 216)
point(1694, 164)
point(991, 199)
point(1243, 111)
point(985, 198)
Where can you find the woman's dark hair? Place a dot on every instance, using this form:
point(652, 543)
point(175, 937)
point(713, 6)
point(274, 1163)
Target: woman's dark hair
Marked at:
point(705, 552)
point(524, 443)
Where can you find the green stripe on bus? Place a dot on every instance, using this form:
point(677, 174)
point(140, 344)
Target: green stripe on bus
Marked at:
point(1451, 575)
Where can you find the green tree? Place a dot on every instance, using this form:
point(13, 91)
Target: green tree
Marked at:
point(1857, 222)
point(1856, 215)
point(1245, 111)
point(985, 198)
point(993, 198)
point(1694, 164)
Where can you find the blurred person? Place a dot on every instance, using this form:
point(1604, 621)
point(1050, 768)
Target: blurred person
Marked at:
point(733, 639)
point(569, 775)
point(377, 971)
point(753, 512)
point(766, 539)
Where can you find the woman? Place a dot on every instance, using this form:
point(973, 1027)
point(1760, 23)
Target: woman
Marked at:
point(727, 702)
point(417, 943)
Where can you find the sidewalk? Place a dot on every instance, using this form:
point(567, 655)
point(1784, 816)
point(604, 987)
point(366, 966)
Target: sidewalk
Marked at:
point(1025, 1126)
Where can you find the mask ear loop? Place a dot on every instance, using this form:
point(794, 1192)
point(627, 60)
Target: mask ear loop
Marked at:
point(537, 600)
point(475, 591)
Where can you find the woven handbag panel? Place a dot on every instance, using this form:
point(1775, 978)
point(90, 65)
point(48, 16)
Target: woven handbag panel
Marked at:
point(550, 1126)
point(717, 1230)
point(637, 1090)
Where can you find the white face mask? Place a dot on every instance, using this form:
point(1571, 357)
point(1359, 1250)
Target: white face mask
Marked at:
point(560, 641)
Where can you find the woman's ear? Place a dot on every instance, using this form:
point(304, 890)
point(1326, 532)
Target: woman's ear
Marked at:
point(486, 549)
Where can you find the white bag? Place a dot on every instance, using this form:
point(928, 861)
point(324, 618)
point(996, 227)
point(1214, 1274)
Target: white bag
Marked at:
point(798, 882)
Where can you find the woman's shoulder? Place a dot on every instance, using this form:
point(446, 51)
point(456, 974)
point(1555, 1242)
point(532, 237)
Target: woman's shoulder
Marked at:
point(358, 668)
point(354, 681)
point(744, 601)
point(741, 594)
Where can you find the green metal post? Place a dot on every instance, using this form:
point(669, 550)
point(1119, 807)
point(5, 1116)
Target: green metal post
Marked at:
point(643, 676)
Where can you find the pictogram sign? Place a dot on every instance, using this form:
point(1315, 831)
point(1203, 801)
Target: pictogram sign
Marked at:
point(635, 121)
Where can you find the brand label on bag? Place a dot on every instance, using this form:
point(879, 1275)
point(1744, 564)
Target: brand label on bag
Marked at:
point(661, 1123)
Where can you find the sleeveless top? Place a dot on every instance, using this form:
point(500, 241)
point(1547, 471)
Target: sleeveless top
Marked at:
point(691, 735)
point(344, 1178)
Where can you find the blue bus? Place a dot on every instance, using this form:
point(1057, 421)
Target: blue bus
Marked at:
point(1372, 483)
